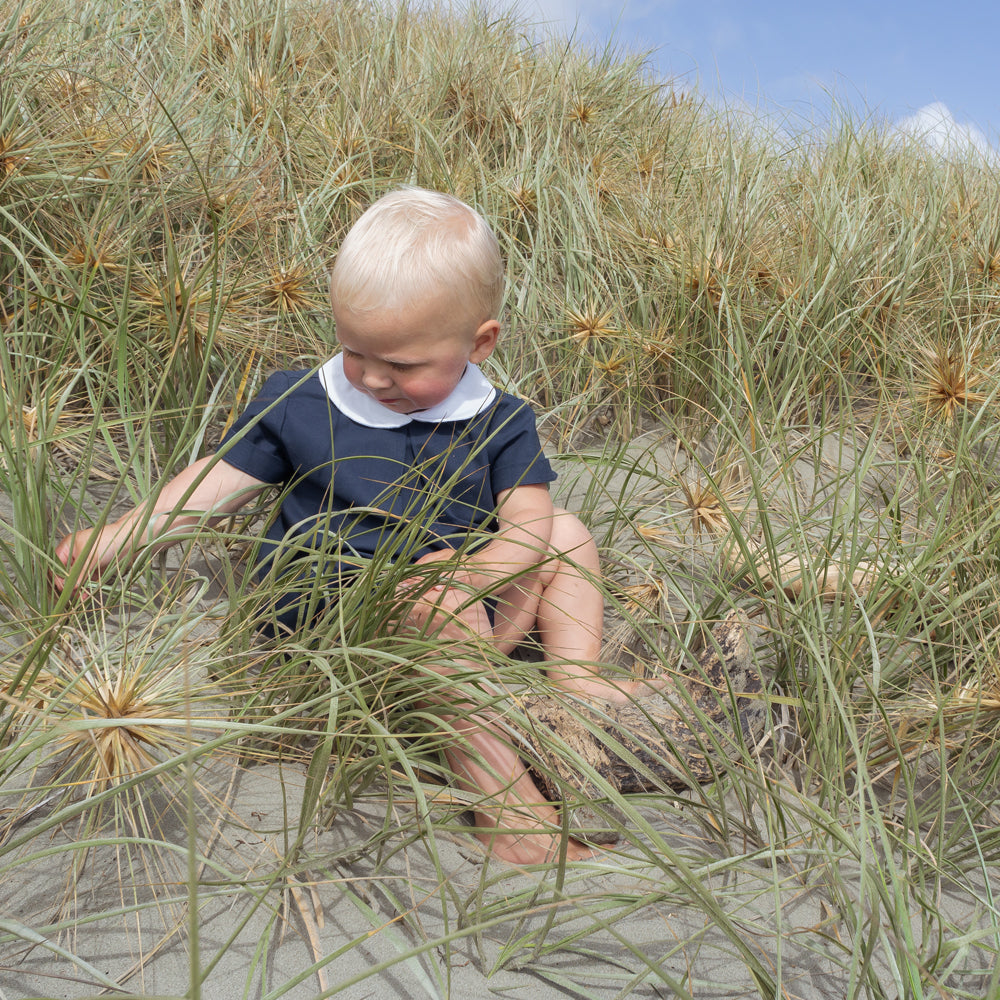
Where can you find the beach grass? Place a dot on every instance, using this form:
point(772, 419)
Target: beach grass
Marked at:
point(765, 360)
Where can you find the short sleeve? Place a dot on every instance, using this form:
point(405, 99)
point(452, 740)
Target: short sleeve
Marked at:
point(254, 444)
point(516, 456)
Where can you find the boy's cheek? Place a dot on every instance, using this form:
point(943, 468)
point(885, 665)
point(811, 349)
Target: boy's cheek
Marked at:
point(351, 372)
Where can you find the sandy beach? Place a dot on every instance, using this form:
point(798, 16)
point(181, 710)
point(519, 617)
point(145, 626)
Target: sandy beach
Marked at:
point(375, 904)
point(403, 921)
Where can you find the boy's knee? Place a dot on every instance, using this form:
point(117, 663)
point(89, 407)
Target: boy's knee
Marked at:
point(570, 546)
point(568, 532)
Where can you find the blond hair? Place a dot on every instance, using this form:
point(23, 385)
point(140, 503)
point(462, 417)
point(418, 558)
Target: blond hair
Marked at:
point(413, 242)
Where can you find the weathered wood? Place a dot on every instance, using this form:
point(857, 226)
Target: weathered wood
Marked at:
point(650, 743)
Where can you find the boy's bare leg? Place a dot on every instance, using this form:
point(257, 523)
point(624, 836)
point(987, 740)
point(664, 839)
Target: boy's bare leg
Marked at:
point(559, 599)
point(570, 611)
point(512, 806)
point(509, 806)
point(562, 600)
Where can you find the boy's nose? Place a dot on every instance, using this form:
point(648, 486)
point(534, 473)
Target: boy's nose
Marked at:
point(374, 379)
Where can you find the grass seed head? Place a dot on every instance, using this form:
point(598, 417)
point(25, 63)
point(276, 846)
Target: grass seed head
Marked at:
point(708, 499)
point(582, 111)
point(288, 289)
point(88, 254)
point(649, 164)
point(604, 176)
point(881, 307)
point(29, 418)
point(29, 426)
point(516, 112)
point(961, 215)
point(524, 197)
point(153, 159)
point(703, 278)
point(661, 349)
point(949, 380)
point(70, 88)
point(115, 713)
point(590, 322)
point(643, 598)
point(14, 152)
point(258, 94)
point(706, 507)
point(106, 722)
point(988, 265)
point(658, 239)
point(610, 365)
point(198, 304)
point(651, 532)
point(220, 46)
point(167, 296)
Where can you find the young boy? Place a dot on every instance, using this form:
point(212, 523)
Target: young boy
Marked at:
point(402, 426)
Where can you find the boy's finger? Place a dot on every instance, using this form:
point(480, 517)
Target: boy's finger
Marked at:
point(58, 584)
point(414, 582)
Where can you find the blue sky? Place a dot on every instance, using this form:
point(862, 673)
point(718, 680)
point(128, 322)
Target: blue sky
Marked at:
point(889, 58)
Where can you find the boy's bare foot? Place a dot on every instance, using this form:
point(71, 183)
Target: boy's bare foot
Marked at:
point(531, 848)
point(662, 744)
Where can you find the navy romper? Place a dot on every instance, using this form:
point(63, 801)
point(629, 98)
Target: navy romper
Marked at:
point(444, 474)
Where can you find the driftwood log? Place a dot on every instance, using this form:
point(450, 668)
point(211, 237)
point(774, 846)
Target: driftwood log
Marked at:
point(652, 743)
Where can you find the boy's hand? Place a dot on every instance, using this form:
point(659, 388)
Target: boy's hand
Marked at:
point(449, 577)
point(414, 586)
point(67, 552)
point(206, 489)
point(445, 604)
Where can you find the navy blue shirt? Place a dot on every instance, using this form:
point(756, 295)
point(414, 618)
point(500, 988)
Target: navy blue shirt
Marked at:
point(351, 490)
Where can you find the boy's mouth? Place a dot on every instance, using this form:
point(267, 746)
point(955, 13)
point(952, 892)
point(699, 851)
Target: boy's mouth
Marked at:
point(392, 402)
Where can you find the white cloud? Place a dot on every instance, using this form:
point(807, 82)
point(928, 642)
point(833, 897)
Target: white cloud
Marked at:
point(936, 127)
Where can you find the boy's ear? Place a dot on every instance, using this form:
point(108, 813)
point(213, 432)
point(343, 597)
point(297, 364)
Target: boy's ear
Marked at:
point(484, 341)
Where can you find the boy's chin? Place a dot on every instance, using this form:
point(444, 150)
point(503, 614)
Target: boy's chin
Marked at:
point(403, 406)
point(406, 407)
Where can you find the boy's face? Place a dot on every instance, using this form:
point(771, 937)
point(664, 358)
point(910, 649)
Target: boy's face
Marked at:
point(411, 359)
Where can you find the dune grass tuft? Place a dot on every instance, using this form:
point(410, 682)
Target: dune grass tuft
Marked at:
point(766, 364)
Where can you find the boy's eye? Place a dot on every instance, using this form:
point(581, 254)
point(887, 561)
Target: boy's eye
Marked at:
point(397, 366)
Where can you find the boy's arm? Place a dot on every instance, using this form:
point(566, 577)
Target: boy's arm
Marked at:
point(525, 516)
point(521, 541)
point(209, 486)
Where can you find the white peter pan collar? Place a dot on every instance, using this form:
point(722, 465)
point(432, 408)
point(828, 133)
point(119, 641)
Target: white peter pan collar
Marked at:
point(469, 397)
